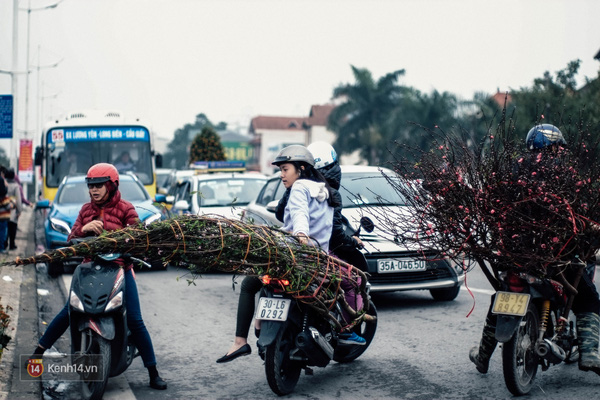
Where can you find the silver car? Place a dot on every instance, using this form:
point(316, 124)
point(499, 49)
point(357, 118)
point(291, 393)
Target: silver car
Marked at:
point(225, 194)
point(392, 265)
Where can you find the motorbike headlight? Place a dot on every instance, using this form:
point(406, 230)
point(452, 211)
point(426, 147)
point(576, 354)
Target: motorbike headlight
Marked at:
point(75, 302)
point(115, 302)
point(60, 226)
point(152, 218)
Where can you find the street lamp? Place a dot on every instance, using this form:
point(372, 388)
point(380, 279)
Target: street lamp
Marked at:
point(38, 122)
point(29, 10)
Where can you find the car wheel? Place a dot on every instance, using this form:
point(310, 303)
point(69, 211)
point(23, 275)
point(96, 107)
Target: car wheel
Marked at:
point(446, 294)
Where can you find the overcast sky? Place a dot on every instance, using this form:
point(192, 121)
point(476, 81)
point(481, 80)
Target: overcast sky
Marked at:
point(168, 60)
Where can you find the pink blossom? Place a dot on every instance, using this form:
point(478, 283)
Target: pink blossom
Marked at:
point(555, 239)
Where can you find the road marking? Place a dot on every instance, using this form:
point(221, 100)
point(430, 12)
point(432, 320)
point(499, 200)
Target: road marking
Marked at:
point(484, 291)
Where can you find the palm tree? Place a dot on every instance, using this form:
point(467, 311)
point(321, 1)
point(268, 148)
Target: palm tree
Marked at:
point(360, 120)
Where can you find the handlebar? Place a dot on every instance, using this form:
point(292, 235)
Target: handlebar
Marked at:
point(128, 258)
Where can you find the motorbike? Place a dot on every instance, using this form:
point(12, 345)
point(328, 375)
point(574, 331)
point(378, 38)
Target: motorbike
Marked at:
point(98, 321)
point(535, 322)
point(295, 337)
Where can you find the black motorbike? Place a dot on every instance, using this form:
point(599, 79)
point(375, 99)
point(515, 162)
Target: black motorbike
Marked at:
point(535, 322)
point(295, 337)
point(98, 321)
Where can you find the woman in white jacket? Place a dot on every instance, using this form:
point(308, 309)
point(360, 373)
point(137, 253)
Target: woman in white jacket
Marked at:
point(308, 215)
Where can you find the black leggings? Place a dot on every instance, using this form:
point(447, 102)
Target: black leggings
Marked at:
point(250, 286)
point(12, 233)
point(587, 299)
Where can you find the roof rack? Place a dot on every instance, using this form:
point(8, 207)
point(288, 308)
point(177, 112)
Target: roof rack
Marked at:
point(204, 167)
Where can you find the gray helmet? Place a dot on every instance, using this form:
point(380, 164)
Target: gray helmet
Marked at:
point(294, 152)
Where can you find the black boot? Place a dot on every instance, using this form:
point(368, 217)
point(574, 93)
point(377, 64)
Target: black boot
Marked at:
point(588, 329)
point(156, 382)
point(480, 355)
point(38, 353)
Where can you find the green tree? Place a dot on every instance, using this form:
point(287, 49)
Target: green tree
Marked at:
point(207, 146)
point(553, 99)
point(177, 154)
point(360, 120)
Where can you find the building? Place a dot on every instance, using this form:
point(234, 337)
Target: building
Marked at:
point(270, 134)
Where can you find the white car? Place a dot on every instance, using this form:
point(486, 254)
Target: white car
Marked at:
point(392, 266)
point(225, 194)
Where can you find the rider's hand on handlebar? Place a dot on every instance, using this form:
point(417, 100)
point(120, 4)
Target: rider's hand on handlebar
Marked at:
point(302, 238)
point(95, 227)
point(359, 243)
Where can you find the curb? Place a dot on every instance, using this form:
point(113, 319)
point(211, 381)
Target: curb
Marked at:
point(11, 280)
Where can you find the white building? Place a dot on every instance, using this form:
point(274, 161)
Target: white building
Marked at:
point(271, 134)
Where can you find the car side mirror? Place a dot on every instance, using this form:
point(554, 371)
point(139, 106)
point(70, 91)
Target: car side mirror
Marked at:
point(181, 205)
point(272, 206)
point(367, 224)
point(42, 204)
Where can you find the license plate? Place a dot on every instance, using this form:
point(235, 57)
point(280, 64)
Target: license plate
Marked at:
point(272, 309)
point(511, 303)
point(400, 265)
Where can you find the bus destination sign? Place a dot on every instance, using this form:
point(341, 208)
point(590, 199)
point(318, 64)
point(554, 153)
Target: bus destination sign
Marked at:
point(98, 134)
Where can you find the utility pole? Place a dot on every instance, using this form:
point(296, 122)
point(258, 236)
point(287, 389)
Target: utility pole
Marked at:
point(29, 10)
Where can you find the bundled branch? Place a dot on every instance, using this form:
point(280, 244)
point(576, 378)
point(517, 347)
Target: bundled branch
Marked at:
point(210, 243)
point(495, 201)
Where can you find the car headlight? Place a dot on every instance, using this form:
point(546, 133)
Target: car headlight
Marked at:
point(75, 302)
point(152, 218)
point(115, 302)
point(60, 226)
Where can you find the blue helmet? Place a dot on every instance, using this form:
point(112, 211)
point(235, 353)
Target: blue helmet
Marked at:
point(544, 135)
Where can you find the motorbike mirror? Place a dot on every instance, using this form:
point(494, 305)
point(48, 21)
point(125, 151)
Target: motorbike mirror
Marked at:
point(109, 257)
point(367, 224)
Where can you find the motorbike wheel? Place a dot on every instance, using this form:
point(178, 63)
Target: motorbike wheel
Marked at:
point(519, 359)
point(282, 372)
point(94, 389)
point(366, 329)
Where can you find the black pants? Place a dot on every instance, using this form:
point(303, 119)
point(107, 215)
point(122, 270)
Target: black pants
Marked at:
point(12, 234)
point(250, 286)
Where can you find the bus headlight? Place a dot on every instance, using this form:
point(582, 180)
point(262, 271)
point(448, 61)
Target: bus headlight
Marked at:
point(60, 226)
point(152, 218)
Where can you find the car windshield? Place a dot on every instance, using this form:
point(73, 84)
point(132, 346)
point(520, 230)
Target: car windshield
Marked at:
point(227, 192)
point(77, 192)
point(368, 188)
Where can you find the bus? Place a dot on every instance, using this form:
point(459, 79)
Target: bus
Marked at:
point(71, 145)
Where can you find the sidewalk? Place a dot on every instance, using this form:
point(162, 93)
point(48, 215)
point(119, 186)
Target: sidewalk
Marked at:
point(12, 282)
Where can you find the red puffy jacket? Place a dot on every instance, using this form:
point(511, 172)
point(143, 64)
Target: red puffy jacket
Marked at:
point(116, 214)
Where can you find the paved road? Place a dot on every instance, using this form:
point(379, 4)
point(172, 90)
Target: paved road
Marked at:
point(420, 350)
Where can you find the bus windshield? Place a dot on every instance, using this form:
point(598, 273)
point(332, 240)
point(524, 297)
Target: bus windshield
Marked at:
point(74, 151)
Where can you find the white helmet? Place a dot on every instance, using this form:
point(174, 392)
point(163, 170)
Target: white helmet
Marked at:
point(324, 154)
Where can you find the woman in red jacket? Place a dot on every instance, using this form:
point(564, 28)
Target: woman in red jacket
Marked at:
point(107, 211)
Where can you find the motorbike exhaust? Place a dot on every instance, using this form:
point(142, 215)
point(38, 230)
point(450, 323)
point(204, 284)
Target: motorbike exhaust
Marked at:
point(550, 351)
point(315, 346)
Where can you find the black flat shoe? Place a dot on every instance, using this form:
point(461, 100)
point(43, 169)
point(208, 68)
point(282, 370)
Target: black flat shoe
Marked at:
point(158, 383)
point(242, 351)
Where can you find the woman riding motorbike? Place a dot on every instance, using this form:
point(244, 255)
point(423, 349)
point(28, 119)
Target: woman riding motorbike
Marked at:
point(308, 214)
point(107, 211)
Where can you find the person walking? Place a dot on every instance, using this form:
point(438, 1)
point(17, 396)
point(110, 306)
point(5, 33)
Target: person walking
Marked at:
point(14, 192)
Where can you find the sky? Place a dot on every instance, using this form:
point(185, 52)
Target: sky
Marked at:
point(169, 60)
